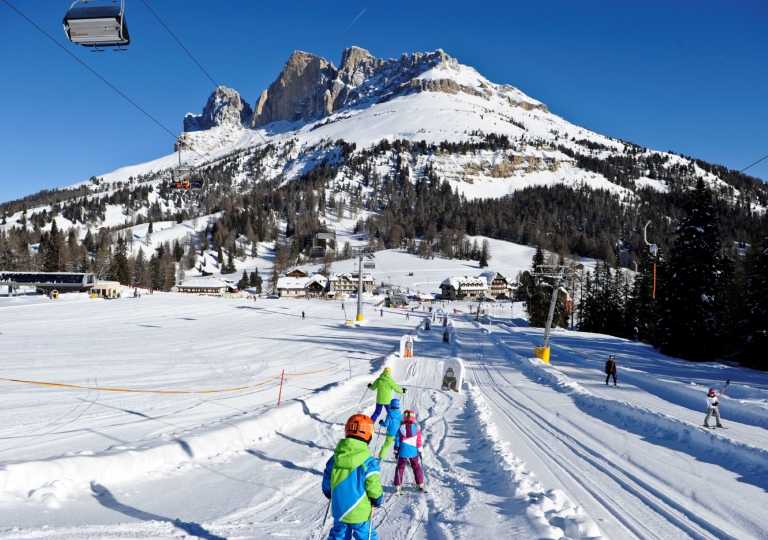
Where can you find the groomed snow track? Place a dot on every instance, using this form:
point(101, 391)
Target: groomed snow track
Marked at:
point(527, 450)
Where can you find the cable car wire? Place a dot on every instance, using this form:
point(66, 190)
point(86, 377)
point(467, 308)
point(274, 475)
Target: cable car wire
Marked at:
point(190, 54)
point(105, 81)
point(755, 163)
point(180, 43)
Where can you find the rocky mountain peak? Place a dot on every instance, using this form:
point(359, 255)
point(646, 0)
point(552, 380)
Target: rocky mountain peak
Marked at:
point(225, 106)
point(310, 87)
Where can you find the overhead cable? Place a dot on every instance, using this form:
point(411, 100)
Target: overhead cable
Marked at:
point(179, 42)
point(105, 81)
point(755, 163)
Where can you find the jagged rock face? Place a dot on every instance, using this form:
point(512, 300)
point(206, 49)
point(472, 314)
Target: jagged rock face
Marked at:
point(299, 91)
point(310, 87)
point(224, 107)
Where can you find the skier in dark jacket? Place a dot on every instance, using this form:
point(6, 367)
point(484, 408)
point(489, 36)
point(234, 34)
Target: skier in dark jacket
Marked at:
point(610, 369)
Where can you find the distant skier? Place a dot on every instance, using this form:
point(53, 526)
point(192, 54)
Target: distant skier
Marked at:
point(610, 369)
point(384, 386)
point(382, 311)
point(342, 305)
point(408, 348)
point(446, 336)
point(407, 316)
point(712, 402)
point(392, 425)
point(302, 314)
point(352, 482)
point(408, 450)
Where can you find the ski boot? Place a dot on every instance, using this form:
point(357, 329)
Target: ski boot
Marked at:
point(706, 425)
point(420, 487)
point(398, 490)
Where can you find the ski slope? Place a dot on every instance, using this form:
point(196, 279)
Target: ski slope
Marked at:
point(527, 450)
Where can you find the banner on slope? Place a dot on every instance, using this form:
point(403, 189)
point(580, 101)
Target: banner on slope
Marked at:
point(452, 375)
point(406, 346)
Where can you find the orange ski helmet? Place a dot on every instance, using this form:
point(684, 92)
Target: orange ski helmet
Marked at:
point(359, 426)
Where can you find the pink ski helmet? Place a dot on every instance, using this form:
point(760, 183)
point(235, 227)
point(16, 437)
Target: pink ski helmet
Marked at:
point(712, 390)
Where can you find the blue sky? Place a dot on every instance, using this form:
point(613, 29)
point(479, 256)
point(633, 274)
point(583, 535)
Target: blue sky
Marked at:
point(687, 76)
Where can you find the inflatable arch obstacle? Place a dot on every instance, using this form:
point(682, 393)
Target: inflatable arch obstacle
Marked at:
point(452, 375)
point(406, 346)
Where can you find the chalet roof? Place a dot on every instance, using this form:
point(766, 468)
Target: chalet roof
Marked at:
point(203, 283)
point(467, 283)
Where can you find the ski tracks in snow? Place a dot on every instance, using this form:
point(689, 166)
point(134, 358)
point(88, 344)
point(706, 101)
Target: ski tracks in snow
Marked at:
point(634, 488)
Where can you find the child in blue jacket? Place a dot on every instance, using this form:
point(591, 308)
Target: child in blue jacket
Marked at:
point(392, 425)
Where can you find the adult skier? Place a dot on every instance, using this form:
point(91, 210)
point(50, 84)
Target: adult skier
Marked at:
point(408, 451)
point(712, 402)
point(384, 386)
point(392, 425)
point(352, 482)
point(610, 369)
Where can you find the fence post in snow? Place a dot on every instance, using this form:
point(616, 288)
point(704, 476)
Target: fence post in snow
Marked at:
point(280, 395)
point(350, 367)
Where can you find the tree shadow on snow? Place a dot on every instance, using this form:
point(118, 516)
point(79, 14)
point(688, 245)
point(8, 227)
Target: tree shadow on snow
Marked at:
point(107, 500)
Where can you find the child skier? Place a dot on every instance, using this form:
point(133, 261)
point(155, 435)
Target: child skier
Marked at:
point(351, 481)
point(712, 402)
point(384, 386)
point(408, 450)
point(392, 425)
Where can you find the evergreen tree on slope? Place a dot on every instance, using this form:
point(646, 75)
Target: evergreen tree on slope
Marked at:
point(688, 327)
point(755, 327)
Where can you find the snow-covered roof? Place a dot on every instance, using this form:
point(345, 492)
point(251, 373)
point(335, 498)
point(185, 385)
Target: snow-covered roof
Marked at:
point(292, 283)
point(352, 276)
point(203, 283)
point(467, 283)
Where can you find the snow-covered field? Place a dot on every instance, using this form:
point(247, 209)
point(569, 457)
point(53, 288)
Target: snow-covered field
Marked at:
point(525, 451)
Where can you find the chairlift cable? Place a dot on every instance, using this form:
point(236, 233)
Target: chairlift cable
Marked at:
point(105, 81)
point(179, 42)
point(189, 54)
point(755, 163)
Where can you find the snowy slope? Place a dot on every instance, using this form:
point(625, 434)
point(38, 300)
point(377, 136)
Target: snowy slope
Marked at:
point(527, 450)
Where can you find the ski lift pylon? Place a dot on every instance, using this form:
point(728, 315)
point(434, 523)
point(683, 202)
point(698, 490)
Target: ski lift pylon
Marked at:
point(95, 26)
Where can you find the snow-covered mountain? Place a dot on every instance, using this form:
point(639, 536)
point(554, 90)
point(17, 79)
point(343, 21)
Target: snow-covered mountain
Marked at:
point(486, 140)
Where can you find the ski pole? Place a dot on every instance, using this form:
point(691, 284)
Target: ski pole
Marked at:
point(327, 508)
point(370, 523)
point(357, 407)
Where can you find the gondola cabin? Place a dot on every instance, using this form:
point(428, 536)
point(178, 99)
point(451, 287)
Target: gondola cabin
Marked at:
point(95, 26)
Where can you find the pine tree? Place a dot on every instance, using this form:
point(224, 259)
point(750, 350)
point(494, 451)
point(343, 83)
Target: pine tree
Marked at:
point(256, 281)
point(485, 254)
point(643, 308)
point(536, 296)
point(688, 326)
point(120, 270)
point(220, 260)
point(754, 336)
point(244, 282)
point(52, 251)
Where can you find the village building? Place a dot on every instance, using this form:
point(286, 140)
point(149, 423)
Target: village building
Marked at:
point(470, 287)
point(498, 285)
point(303, 286)
point(346, 284)
point(204, 285)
